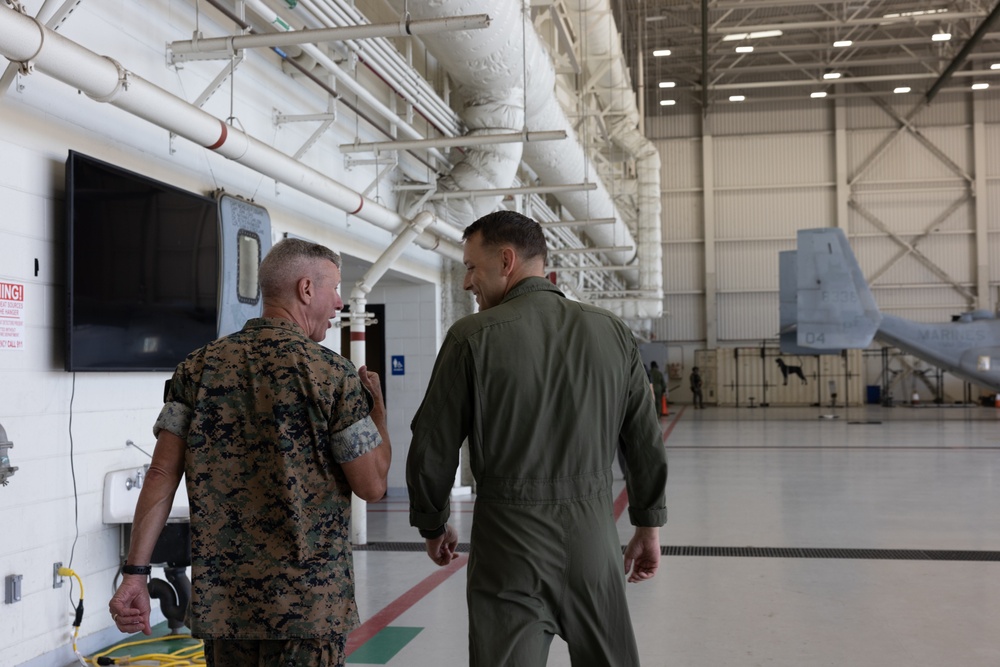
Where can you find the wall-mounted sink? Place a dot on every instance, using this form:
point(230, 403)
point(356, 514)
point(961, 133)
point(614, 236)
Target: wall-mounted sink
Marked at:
point(121, 493)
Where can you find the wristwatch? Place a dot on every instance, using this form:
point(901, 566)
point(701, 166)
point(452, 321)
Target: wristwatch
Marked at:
point(137, 569)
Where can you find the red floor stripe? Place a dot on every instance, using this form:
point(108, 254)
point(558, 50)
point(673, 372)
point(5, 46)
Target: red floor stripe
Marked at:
point(376, 623)
point(621, 502)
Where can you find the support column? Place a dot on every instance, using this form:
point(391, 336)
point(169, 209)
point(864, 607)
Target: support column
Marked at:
point(708, 207)
point(980, 205)
point(359, 508)
point(843, 192)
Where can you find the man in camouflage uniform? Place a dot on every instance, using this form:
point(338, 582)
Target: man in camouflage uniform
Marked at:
point(274, 432)
point(546, 390)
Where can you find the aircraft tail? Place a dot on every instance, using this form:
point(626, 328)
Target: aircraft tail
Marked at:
point(834, 307)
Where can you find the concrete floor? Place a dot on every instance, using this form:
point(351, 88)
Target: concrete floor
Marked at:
point(892, 481)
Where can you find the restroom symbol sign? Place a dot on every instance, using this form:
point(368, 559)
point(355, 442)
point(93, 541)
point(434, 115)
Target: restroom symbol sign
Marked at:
point(398, 364)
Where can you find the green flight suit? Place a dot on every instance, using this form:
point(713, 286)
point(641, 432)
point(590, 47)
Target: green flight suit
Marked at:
point(546, 390)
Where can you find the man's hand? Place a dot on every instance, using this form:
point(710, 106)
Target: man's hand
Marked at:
point(642, 555)
point(371, 382)
point(441, 549)
point(130, 605)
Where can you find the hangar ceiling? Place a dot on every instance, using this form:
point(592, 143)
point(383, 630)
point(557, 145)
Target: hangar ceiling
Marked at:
point(805, 50)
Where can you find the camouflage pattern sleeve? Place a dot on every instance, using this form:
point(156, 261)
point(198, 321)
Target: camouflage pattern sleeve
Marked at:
point(177, 411)
point(352, 430)
point(174, 417)
point(355, 440)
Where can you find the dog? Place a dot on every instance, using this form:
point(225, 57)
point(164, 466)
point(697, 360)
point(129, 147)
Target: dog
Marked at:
point(787, 370)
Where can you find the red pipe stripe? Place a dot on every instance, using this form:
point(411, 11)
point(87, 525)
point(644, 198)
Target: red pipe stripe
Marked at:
point(357, 335)
point(379, 621)
point(360, 206)
point(222, 137)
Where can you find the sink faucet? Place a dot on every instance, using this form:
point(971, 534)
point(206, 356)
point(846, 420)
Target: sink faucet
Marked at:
point(136, 482)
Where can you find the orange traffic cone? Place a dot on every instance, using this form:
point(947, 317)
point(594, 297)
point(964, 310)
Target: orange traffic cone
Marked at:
point(665, 410)
point(997, 401)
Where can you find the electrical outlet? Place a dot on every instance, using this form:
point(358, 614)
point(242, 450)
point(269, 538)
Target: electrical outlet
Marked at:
point(57, 581)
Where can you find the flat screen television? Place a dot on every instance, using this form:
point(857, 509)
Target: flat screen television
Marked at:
point(143, 269)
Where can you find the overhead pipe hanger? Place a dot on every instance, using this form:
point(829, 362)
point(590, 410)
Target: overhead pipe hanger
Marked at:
point(455, 142)
point(317, 35)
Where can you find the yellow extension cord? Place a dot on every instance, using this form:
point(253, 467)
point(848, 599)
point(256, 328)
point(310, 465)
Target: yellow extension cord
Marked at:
point(186, 656)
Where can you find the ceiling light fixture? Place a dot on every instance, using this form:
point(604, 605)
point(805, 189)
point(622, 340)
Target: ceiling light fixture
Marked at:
point(667, 103)
point(941, 37)
point(839, 44)
point(761, 34)
point(737, 98)
point(744, 49)
point(668, 84)
point(832, 75)
point(995, 66)
point(901, 89)
point(659, 53)
point(980, 86)
point(818, 95)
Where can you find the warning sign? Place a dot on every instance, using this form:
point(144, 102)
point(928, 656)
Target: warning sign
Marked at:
point(11, 316)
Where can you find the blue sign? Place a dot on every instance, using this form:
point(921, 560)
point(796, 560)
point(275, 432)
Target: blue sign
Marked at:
point(398, 364)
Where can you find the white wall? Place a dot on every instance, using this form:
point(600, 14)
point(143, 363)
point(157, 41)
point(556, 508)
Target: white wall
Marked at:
point(70, 429)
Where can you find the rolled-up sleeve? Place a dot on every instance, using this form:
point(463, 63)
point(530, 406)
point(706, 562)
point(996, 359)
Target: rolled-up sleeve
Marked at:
point(174, 417)
point(358, 438)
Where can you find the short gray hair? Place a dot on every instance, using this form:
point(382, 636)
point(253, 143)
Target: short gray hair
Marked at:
point(287, 261)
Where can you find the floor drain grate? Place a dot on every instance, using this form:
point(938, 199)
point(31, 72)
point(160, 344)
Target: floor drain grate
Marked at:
point(759, 552)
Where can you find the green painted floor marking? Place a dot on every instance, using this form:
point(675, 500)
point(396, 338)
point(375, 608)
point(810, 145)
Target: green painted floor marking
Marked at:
point(384, 646)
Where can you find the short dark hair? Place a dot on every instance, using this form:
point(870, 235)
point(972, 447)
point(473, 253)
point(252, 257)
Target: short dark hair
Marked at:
point(510, 227)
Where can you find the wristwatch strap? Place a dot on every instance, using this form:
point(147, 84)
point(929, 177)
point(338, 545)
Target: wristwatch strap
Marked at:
point(137, 569)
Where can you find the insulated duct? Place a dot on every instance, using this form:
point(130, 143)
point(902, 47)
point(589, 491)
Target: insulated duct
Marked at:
point(23, 39)
point(602, 44)
point(474, 60)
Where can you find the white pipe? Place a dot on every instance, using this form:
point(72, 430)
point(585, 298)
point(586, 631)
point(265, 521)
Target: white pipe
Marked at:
point(383, 59)
point(359, 301)
point(345, 79)
point(453, 142)
point(22, 38)
point(338, 34)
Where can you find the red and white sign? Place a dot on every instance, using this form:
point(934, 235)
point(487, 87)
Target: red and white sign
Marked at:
point(11, 316)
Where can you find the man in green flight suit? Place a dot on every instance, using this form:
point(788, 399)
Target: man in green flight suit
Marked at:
point(546, 390)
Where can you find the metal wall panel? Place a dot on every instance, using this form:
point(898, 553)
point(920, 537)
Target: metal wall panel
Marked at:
point(876, 253)
point(863, 113)
point(991, 107)
point(992, 149)
point(749, 316)
point(906, 158)
point(729, 118)
point(774, 159)
point(749, 265)
point(992, 198)
point(686, 317)
point(913, 210)
point(680, 161)
point(920, 299)
point(682, 215)
point(671, 124)
point(683, 267)
point(773, 213)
